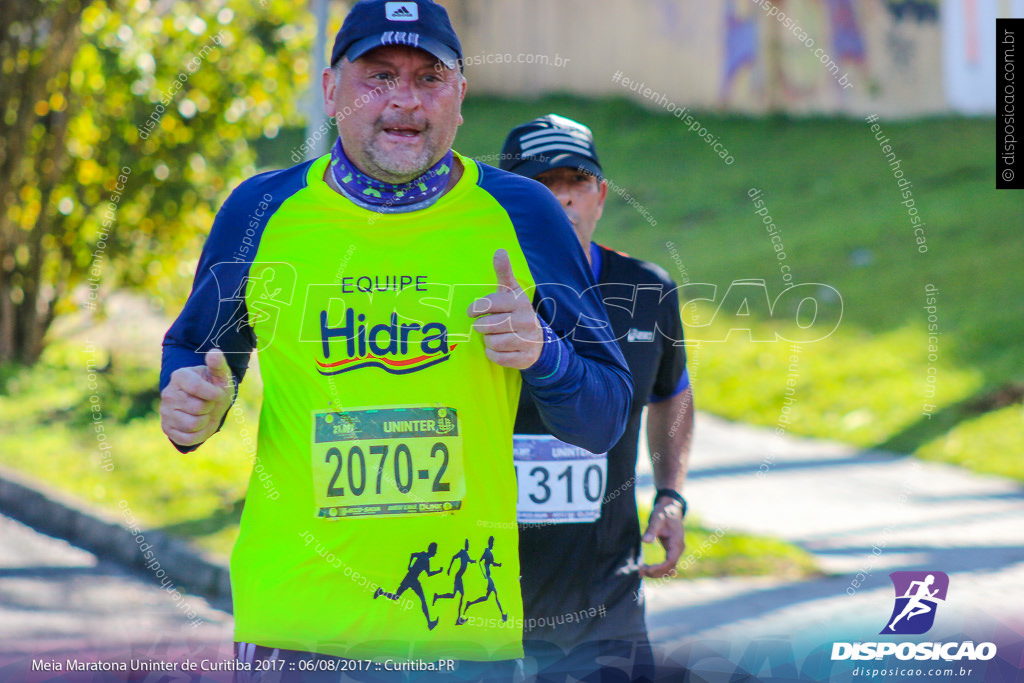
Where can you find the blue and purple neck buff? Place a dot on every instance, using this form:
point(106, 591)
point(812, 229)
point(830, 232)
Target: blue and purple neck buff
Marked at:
point(377, 195)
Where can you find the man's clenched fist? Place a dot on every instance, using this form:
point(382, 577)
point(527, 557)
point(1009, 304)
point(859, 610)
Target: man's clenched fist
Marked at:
point(506, 319)
point(194, 401)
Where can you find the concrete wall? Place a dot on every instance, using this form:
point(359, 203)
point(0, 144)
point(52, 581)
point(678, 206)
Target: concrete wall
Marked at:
point(754, 56)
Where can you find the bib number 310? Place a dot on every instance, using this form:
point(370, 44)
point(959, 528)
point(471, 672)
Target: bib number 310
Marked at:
point(558, 483)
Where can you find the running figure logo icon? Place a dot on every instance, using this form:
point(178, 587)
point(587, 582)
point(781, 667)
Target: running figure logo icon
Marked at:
point(917, 597)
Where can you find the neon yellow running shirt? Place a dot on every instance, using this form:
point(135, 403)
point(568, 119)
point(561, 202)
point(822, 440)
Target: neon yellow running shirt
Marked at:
point(385, 438)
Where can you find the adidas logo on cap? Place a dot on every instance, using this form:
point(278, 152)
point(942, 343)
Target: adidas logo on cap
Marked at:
point(401, 11)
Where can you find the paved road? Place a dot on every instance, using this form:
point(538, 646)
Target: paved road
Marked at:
point(862, 515)
point(56, 598)
point(856, 512)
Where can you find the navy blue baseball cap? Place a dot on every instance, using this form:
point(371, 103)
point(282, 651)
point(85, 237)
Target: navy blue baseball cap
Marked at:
point(550, 142)
point(422, 24)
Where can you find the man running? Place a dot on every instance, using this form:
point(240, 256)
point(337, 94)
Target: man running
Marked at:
point(457, 588)
point(585, 554)
point(389, 389)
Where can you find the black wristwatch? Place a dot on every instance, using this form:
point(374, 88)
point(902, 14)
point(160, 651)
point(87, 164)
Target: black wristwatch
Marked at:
point(673, 494)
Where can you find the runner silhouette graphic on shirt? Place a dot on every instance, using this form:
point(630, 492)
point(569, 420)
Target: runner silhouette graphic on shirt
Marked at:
point(418, 563)
point(486, 562)
point(915, 605)
point(462, 555)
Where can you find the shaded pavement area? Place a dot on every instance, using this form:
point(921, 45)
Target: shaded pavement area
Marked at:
point(58, 601)
point(862, 515)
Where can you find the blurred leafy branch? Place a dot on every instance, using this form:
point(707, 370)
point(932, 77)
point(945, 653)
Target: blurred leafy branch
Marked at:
point(123, 124)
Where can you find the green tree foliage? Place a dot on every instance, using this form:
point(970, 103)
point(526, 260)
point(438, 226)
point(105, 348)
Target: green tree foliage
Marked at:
point(123, 126)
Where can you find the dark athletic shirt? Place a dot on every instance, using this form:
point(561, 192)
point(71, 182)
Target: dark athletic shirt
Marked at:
point(569, 568)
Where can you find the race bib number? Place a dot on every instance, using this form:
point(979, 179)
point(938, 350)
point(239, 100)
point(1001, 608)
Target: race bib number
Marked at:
point(558, 483)
point(387, 461)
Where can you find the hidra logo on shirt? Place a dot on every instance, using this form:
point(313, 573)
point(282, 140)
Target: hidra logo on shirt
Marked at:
point(397, 323)
point(918, 595)
point(393, 346)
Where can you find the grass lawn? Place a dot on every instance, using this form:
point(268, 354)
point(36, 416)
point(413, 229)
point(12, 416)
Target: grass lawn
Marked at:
point(836, 206)
point(837, 212)
point(49, 432)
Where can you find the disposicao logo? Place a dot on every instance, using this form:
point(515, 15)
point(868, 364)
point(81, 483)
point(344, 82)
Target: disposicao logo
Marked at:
point(918, 595)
